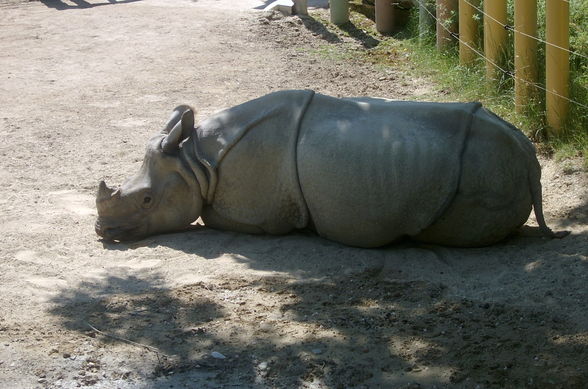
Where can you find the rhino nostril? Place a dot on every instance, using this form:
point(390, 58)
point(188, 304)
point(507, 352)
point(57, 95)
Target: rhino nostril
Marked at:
point(99, 229)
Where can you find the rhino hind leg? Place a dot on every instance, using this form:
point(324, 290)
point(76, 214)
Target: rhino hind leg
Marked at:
point(471, 222)
point(494, 197)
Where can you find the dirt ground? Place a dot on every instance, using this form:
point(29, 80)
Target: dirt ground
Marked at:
point(84, 84)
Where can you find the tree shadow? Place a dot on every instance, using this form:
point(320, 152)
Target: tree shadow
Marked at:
point(81, 4)
point(174, 325)
point(401, 332)
point(363, 330)
point(512, 315)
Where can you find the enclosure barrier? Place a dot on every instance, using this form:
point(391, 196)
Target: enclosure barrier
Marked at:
point(496, 28)
point(494, 36)
point(468, 31)
point(301, 7)
point(525, 59)
point(446, 23)
point(339, 10)
point(557, 66)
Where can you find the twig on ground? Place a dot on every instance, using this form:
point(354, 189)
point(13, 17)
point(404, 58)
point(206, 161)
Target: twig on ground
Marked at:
point(150, 348)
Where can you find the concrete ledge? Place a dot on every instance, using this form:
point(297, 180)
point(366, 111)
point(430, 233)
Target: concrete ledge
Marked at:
point(284, 6)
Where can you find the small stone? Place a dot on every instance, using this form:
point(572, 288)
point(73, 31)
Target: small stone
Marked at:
point(66, 355)
point(217, 355)
point(317, 351)
point(262, 366)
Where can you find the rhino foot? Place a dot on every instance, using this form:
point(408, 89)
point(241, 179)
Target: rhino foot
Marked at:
point(549, 233)
point(560, 234)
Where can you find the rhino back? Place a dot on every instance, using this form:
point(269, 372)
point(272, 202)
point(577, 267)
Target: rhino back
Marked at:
point(372, 170)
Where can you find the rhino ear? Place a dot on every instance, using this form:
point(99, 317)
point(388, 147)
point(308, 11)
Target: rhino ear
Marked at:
point(182, 130)
point(175, 118)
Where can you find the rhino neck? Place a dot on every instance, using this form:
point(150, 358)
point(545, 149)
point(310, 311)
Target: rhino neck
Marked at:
point(203, 173)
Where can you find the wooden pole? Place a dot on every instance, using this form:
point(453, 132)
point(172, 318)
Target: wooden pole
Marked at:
point(494, 36)
point(557, 63)
point(339, 11)
point(525, 14)
point(301, 7)
point(426, 19)
point(446, 23)
point(468, 31)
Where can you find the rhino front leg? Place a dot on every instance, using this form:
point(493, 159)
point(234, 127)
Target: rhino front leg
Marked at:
point(212, 219)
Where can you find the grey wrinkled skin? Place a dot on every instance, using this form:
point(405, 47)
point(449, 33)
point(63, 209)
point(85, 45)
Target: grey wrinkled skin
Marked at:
point(361, 171)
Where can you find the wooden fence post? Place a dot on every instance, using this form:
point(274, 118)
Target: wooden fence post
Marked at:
point(525, 56)
point(557, 63)
point(426, 19)
point(301, 7)
point(494, 36)
point(339, 11)
point(468, 31)
point(446, 23)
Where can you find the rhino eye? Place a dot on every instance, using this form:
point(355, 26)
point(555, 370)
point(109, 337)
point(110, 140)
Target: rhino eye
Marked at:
point(147, 201)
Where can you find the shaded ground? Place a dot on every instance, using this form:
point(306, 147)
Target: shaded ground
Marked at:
point(83, 86)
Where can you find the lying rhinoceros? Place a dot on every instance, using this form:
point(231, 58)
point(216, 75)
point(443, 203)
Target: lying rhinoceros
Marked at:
point(360, 171)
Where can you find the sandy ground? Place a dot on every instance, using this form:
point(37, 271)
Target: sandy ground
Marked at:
point(83, 85)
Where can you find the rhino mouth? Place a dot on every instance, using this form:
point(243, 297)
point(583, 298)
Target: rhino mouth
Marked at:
point(111, 233)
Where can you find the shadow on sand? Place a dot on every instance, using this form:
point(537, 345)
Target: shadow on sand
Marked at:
point(378, 327)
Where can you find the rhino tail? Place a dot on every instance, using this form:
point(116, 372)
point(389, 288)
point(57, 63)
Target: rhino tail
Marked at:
point(537, 198)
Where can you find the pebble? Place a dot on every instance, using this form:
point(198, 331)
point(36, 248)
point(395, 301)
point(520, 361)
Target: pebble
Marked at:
point(262, 366)
point(217, 355)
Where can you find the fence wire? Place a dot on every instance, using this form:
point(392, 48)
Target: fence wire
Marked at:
point(506, 72)
point(508, 27)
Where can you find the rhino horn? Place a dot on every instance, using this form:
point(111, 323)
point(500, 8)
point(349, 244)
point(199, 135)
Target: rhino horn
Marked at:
point(104, 194)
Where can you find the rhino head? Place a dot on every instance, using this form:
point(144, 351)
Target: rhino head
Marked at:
point(163, 196)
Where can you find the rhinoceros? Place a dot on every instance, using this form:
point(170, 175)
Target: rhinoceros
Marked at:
point(363, 171)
